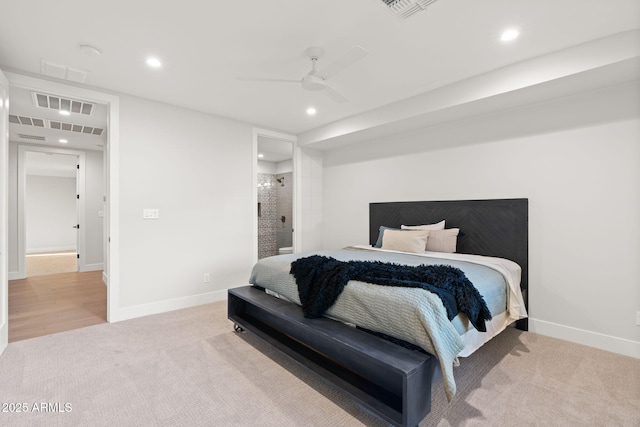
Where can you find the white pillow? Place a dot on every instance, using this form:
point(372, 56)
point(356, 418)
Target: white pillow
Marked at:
point(443, 240)
point(406, 241)
point(436, 226)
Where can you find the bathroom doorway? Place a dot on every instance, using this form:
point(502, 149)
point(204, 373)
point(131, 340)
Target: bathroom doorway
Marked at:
point(275, 196)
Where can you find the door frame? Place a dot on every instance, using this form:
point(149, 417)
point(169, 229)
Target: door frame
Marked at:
point(258, 132)
point(22, 193)
point(4, 212)
point(111, 274)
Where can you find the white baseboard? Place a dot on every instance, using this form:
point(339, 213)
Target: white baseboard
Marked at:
point(167, 305)
point(580, 336)
point(15, 275)
point(51, 249)
point(92, 267)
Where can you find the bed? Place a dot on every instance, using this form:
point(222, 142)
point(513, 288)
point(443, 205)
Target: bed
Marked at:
point(390, 378)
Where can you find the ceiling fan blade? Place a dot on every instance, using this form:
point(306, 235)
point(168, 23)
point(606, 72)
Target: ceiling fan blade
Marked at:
point(269, 80)
point(355, 54)
point(331, 93)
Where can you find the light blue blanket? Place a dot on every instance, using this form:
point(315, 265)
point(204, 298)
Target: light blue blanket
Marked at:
point(410, 314)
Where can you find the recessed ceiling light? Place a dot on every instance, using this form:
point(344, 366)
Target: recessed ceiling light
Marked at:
point(63, 141)
point(311, 111)
point(509, 35)
point(154, 62)
point(65, 112)
point(260, 155)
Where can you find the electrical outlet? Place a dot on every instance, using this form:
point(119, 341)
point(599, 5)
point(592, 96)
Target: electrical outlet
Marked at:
point(206, 278)
point(637, 318)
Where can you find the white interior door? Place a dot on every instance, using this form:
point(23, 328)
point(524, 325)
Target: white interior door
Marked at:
point(4, 200)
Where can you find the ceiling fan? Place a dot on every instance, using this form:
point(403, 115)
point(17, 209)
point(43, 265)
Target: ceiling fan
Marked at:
point(317, 79)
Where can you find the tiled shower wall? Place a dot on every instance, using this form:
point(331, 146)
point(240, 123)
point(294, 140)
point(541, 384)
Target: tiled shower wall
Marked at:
point(275, 208)
point(284, 210)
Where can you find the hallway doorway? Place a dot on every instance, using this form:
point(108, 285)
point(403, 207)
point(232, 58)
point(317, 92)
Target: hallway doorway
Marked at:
point(51, 212)
point(59, 275)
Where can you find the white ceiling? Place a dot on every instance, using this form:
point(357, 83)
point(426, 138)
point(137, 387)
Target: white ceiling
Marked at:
point(207, 47)
point(274, 150)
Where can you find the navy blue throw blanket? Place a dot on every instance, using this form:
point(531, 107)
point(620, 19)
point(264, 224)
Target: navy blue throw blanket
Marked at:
point(321, 279)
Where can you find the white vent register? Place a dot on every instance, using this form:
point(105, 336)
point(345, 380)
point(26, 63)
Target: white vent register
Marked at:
point(403, 9)
point(53, 102)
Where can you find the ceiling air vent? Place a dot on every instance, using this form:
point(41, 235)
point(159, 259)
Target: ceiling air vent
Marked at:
point(89, 130)
point(403, 9)
point(32, 137)
point(59, 71)
point(59, 103)
point(23, 120)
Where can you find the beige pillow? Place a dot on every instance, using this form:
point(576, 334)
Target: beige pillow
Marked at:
point(406, 241)
point(443, 240)
point(436, 226)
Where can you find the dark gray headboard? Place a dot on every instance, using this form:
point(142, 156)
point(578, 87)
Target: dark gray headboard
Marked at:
point(498, 227)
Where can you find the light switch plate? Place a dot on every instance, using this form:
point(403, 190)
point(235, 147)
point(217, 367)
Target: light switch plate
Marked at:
point(150, 214)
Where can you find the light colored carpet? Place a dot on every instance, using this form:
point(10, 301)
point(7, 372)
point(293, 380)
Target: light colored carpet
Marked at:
point(39, 264)
point(189, 368)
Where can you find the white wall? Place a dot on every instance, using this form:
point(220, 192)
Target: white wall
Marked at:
point(576, 159)
point(284, 166)
point(266, 167)
point(196, 169)
point(275, 167)
point(50, 211)
point(309, 226)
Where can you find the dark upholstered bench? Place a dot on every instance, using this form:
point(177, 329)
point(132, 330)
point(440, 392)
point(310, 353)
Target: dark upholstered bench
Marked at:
point(392, 381)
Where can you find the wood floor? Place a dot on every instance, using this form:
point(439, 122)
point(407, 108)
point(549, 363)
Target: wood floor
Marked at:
point(44, 263)
point(43, 305)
